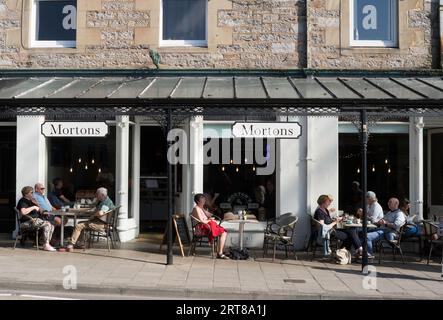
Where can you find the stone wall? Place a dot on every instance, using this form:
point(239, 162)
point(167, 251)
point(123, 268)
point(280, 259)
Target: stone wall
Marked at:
point(328, 44)
point(119, 34)
point(242, 34)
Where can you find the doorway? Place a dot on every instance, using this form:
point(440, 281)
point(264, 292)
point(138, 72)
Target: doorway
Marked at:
point(435, 172)
point(153, 179)
point(8, 145)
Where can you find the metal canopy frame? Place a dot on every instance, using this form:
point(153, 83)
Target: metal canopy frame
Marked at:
point(358, 101)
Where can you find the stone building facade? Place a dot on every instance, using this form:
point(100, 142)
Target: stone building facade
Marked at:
point(242, 34)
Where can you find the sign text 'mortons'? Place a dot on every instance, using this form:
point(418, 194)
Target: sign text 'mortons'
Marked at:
point(74, 129)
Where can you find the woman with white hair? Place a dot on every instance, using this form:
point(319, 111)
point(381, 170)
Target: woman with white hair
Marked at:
point(374, 211)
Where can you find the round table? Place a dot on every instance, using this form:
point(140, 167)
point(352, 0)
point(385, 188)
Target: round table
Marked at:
point(71, 213)
point(241, 229)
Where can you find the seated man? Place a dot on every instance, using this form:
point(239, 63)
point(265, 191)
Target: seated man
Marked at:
point(56, 196)
point(31, 216)
point(374, 211)
point(45, 205)
point(98, 220)
point(393, 220)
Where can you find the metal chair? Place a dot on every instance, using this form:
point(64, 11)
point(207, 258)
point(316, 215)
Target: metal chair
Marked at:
point(109, 232)
point(316, 229)
point(395, 245)
point(414, 238)
point(432, 238)
point(199, 238)
point(24, 231)
point(280, 231)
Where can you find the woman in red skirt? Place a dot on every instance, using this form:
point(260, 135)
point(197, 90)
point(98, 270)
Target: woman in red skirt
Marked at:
point(209, 227)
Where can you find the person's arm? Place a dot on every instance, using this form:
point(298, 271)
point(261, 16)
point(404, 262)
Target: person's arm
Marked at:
point(330, 225)
point(398, 222)
point(64, 199)
point(26, 211)
point(99, 213)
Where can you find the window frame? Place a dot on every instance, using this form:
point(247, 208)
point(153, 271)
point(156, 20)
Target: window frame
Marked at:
point(34, 43)
point(183, 43)
point(376, 43)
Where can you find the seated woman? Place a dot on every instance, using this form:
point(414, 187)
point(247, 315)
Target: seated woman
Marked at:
point(209, 227)
point(349, 237)
point(32, 215)
point(411, 228)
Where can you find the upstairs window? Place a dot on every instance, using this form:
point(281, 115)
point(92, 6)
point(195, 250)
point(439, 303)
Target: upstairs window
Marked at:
point(374, 23)
point(54, 23)
point(184, 23)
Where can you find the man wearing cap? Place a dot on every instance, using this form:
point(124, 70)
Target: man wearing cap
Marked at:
point(374, 210)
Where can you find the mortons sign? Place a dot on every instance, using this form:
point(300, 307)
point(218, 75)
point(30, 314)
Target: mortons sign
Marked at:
point(74, 129)
point(279, 130)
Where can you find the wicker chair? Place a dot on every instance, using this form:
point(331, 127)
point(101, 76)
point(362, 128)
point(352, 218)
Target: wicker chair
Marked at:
point(395, 245)
point(199, 238)
point(280, 231)
point(24, 231)
point(430, 232)
point(110, 232)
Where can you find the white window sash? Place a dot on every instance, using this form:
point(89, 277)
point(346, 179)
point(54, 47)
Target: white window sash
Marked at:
point(34, 43)
point(183, 43)
point(393, 25)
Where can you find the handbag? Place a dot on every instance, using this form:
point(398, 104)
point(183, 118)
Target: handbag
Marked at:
point(343, 256)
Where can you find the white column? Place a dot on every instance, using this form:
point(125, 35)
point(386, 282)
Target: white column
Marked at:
point(32, 159)
point(196, 155)
point(291, 181)
point(416, 187)
point(122, 176)
point(321, 161)
point(322, 168)
point(136, 176)
point(186, 195)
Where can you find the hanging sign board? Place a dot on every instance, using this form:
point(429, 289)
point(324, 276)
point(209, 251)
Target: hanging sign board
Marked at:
point(74, 129)
point(276, 130)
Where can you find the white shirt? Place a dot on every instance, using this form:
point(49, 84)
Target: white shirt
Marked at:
point(375, 212)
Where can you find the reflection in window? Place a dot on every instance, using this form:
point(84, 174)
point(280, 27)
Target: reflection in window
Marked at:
point(184, 22)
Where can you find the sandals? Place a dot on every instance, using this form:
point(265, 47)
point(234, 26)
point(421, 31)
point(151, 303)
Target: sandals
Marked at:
point(222, 256)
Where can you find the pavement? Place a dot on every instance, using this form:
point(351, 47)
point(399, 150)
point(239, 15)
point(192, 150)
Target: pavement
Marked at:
point(137, 269)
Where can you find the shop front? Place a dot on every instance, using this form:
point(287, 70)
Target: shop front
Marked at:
point(132, 159)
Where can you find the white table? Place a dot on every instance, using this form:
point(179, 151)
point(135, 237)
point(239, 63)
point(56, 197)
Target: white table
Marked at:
point(241, 229)
point(71, 213)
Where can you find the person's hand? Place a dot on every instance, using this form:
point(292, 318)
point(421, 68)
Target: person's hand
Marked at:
point(36, 208)
point(381, 222)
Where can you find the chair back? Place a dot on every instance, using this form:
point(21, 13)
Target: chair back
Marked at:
point(115, 218)
point(429, 229)
point(112, 217)
point(17, 216)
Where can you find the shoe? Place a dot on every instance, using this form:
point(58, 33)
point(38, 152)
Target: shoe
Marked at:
point(49, 248)
point(69, 249)
point(222, 256)
point(61, 250)
point(80, 246)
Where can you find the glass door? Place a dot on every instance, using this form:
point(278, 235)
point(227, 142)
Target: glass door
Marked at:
point(435, 172)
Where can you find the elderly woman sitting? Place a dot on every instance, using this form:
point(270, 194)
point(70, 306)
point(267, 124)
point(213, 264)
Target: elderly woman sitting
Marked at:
point(349, 237)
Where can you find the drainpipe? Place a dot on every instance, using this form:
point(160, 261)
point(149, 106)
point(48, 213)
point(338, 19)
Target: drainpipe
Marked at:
point(441, 32)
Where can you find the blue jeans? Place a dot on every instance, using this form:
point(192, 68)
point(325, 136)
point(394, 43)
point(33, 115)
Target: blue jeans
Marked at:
point(376, 235)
